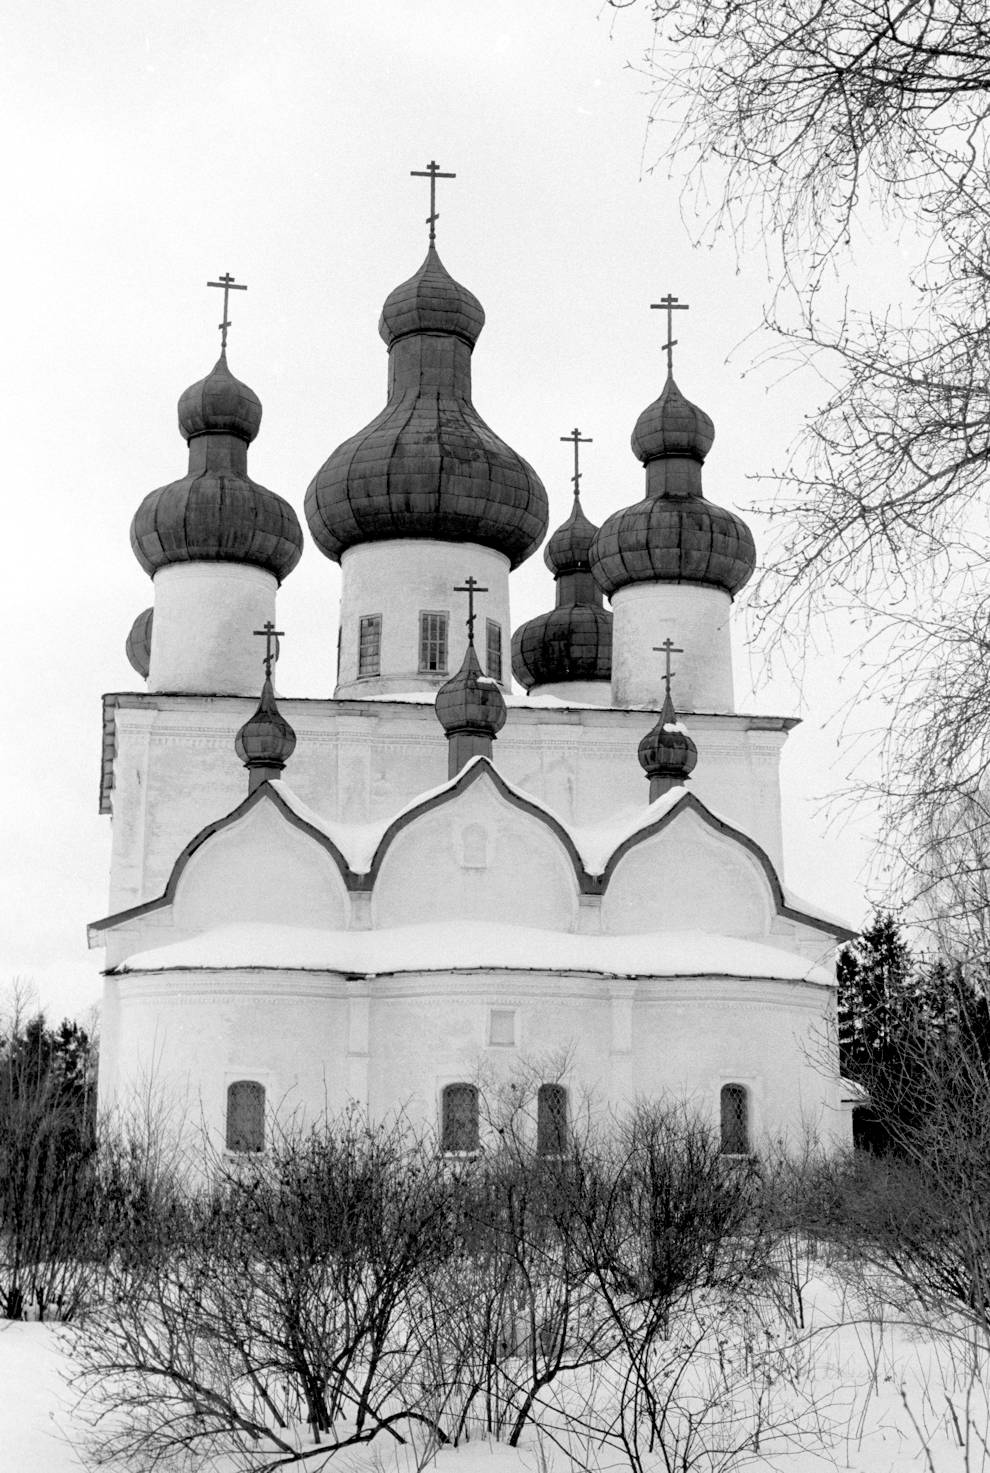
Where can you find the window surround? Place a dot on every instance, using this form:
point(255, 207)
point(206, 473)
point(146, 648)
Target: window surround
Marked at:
point(493, 649)
point(245, 1079)
point(456, 1133)
point(735, 1116)
point(434, 650)
point(369, 655)
point(551, 1121)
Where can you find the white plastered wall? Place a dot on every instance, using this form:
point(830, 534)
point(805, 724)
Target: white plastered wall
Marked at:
point(205, 617)
point(697, 619)
point(318, 1040)
point(687, 877)
point(175, 770)
point(476, 858)
point(400, 579)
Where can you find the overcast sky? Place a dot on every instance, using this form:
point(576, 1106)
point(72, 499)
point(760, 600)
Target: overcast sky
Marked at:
point(154, 146)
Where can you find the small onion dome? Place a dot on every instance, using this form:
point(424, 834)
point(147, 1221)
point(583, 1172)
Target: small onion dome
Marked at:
point(431, 301)
point(266, 739)
point(667, 751)
point(672, 425)
point(568, 548)
point(220, 405)
point(216, 513)
point(139, 642)
point(470, 701)
point(428, 466)
point(673, 535)
point(571, 642)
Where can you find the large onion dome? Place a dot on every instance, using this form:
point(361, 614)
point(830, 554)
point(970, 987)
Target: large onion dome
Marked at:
point(266, 741)
point(216, 513)
point(573, 641)
point(673, 535)
point(470, 701)
point(428, 466)
point(138, 647)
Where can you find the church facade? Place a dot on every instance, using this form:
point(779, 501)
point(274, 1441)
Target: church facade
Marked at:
point(427, 893)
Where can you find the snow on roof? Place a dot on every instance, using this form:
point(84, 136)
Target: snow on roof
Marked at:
point(476, 945)
point(595, 843)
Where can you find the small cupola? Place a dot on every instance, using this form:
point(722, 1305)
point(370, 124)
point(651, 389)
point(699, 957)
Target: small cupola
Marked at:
point(667, 753)
point(266, 741)
point(569, 648)
point(470, 706)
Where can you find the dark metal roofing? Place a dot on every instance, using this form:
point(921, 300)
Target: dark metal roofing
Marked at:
point(674, 540)
point(428, 465)
point(216, 513)
point(569, 643)
point(470, 701)
point(138, 647)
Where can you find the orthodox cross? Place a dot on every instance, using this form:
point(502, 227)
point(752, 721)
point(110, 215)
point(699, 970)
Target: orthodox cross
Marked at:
point(667, 649)
point(670, 305)
point(470, 586)
point(578, 439)
point(432, 172)
point(273, 649)
point(226, 285)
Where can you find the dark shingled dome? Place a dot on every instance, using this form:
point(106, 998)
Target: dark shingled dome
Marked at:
point(138, 645)
point(216, 513)
point(568, 548)
point(673, 535)
point(675, 541)
point(428, 466)
point(470, 701)
point(574, 640)
point(220, 405)
point(431, 301)
point(266, 739)
point(672, 425)
point(667, 751)
point(569, 643)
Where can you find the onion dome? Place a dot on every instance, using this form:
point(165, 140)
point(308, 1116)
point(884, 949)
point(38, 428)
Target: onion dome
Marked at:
point(470, 700)
point(428, 466)
point(667, 754)
point(673, 535)
point(216, 513)
point(573, 641)
point(266, 741)
point(138, 645)
point(220, 405)
point(431, 301)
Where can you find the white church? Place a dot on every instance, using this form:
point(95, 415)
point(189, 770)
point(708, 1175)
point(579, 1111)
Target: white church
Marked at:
point(429, 889)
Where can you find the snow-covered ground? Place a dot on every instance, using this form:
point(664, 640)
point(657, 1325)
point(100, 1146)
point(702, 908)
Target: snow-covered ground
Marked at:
point(893, 1401)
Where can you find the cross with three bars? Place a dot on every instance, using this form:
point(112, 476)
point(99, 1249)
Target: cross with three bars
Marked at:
point(578, 439)
point(667, 649)
point(470, 586)
point(273, 649)
point(670, 305)
point(432, 172)
point(226, 285)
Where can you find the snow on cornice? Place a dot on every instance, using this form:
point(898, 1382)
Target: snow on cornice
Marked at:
point(469, 946)
point(595, 843)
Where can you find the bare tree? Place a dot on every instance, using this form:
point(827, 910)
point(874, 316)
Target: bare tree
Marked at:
point(810, 124)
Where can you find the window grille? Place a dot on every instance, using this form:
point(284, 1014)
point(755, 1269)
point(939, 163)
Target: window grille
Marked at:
point(370, 645)
point(433, 642)
point(551, 1120)
point(246, 1116)
point(734, 1111)
point(459, 1130)
point(493, 666)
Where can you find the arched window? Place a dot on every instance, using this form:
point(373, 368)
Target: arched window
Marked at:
point(551, 1120)
point(459, 1120)
point(246, 1116)
point(734, 1119)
